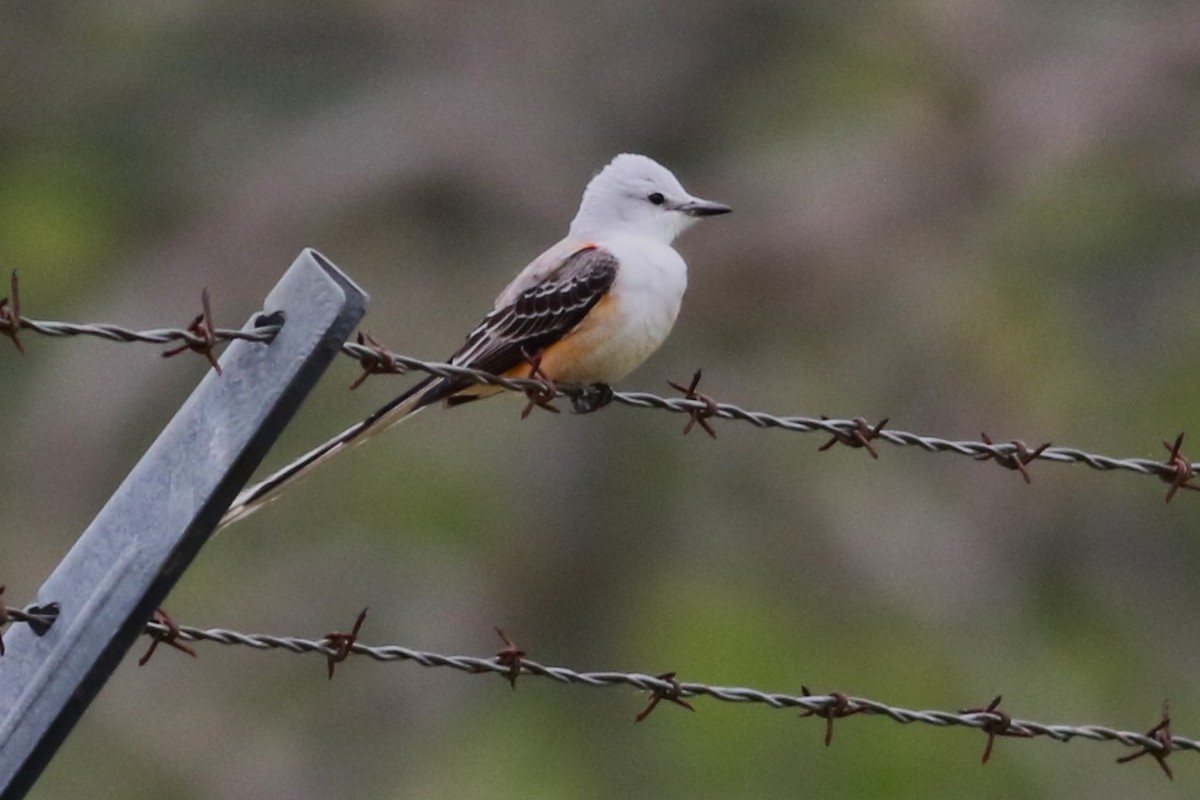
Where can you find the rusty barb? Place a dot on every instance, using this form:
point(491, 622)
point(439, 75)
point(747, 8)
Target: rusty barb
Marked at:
point(169, 636)
point(701, 414)
point(859, 436)
point(1000, 724)
point(1180, 470)
point(1017, 459)
point(1163, 743)
point(10, 313)
point(202, 337)
point(374, 361)
point(510, 657)
point(342, 644)
point(842, 706)
point(203, 328)
point(672, 692)
point(542, 391)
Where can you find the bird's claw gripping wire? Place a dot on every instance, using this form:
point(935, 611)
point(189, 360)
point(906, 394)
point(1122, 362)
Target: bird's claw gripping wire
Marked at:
point(592, 397)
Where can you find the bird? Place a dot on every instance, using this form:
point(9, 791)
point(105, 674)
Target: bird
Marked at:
point(589, 310)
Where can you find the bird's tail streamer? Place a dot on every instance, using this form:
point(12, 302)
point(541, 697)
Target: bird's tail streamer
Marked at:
point(255, 497)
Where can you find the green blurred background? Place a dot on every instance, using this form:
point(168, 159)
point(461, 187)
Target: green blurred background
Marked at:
point(964, 216)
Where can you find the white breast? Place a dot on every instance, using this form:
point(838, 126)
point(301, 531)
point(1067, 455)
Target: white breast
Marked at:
point(641, 309)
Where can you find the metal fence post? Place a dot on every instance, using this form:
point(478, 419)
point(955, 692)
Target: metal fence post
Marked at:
point(138, 546)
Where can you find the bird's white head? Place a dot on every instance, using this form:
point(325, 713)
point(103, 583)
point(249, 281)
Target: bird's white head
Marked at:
point(637, 195)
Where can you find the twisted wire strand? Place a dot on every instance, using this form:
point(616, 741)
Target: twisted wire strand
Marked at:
point(651, 683)
point(117, 333)
point(818, 704)
point(761, 419)
point(377, 359)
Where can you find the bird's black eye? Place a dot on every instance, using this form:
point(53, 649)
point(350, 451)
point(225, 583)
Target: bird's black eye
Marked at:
point(657, 198)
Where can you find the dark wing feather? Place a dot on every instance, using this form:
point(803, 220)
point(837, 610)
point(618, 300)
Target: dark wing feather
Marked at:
point(538, 318)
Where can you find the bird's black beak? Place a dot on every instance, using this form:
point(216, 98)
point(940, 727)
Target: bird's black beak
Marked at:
point(703, 208)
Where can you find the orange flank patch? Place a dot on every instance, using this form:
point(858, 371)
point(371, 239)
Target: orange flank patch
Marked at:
point(584, 355)
point(578, 357)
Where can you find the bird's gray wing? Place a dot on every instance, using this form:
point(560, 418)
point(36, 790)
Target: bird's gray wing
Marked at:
point(536, 319)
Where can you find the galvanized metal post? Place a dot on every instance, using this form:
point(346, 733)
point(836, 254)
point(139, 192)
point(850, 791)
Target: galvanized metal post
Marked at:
point(147, 534)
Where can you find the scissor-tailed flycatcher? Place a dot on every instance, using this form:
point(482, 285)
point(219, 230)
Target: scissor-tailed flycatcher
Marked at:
point(589, 310)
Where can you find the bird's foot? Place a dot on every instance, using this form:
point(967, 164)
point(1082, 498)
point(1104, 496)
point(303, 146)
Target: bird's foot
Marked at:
point(593, 397)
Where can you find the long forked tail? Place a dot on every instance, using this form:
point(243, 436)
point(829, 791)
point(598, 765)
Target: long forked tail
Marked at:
point(266, 490)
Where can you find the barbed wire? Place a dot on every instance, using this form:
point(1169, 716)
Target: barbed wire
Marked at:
point(855, 430)
point(511, 663)
point(117, 333)
point(202, 336)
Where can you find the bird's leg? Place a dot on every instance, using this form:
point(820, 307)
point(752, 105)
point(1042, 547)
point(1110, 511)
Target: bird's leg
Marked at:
point(592, 397)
